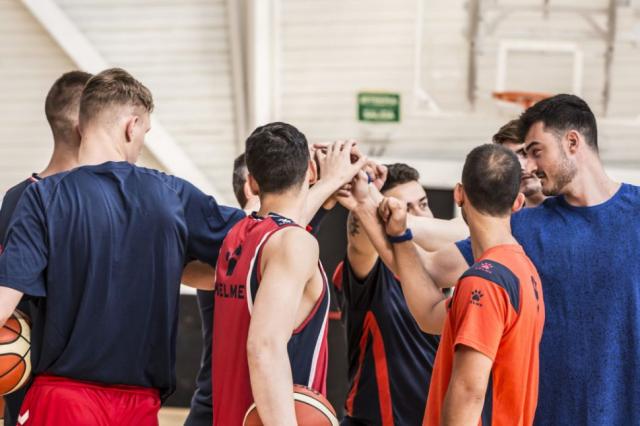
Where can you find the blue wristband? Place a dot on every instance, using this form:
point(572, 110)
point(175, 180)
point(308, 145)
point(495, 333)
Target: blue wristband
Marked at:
point(408, 235)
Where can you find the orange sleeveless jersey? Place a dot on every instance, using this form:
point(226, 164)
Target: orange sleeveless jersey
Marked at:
point(497, 309)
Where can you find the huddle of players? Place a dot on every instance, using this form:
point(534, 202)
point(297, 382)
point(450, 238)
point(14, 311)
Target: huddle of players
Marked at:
point(100, 252)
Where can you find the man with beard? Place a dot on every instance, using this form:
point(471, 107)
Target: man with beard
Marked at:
point(582, 242)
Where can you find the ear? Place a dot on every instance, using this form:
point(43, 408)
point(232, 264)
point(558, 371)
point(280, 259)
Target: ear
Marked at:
point(130, 127)
point(312, 172)
point(518, 204)
point(246, 189)
point(253, 185)
point(458, 194)
point(575, 140)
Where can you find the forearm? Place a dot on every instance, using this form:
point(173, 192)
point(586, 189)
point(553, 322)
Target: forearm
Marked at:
point(432, 234)
point(462, 405)
point(9, 299)
point(319, 195)
point(271, 383)
point(366, 214)
point(424, 298)
point(199, 275)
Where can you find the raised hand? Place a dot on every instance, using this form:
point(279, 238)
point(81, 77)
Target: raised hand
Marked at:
point(377, 173)
point(393, 213)
point(339, 161)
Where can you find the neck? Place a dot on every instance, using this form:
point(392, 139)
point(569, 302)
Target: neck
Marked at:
point(535, 200)
point(98, 146)
point(289, 205)
point(488, 231)
point(64, 157)
point(591, 185)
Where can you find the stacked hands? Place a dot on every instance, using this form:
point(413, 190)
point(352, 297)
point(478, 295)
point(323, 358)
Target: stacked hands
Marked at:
point(361, 180)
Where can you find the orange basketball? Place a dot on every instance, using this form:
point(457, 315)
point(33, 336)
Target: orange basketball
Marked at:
point(15, 359)
point(312, 409)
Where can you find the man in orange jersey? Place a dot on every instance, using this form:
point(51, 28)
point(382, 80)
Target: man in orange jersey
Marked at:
point(486, 368)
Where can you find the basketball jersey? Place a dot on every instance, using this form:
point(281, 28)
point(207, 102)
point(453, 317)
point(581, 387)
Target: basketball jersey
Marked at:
point(237, 282)
point(390, 358)
point(497, 310)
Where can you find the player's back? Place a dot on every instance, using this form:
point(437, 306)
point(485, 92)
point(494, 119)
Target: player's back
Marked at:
point(237, 281)
point(498, 310)
point(114, 241)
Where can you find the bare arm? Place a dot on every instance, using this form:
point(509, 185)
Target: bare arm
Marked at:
point(290, 260)
point(444, 266)
point(424, 299)
point(9, 299)
point(199, 275)
point(433, 234)
point(467, 389)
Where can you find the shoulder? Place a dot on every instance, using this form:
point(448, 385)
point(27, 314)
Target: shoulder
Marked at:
point(495, 276)
point(294, 238)
point(15, 191)
point(632, 192)
point(291, 244)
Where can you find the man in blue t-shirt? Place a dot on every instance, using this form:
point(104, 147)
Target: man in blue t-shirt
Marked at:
point(583, 241)
point(61, 109)
point(101, 249)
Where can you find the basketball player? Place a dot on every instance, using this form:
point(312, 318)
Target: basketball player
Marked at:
point(61, 109)
point(102, 247)
point(486, 369)
point(271, 295)
point(390, 358)
point(581, 241)
point(201, 411)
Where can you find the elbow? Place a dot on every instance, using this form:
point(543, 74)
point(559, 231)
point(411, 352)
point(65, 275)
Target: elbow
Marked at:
point(470, 391)
point(428, 321)
point(5, 314)
point(260, 350)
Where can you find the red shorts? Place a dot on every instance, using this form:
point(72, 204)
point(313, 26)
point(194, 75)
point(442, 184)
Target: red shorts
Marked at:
point(57, 401)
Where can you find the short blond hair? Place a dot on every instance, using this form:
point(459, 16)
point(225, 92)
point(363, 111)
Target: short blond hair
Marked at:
point(113, 86)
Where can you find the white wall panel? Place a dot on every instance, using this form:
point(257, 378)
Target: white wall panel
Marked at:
point(180, 50)
point(333, 49)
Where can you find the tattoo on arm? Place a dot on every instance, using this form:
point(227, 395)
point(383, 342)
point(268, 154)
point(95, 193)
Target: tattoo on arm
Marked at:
point(353, 226)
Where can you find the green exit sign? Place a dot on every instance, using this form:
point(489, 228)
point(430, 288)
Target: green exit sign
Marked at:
point(379, 107)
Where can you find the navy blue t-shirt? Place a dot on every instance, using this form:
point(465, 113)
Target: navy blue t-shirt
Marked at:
point(390, 358)
point(587, 258)
point(104, 248)
point(13, 401)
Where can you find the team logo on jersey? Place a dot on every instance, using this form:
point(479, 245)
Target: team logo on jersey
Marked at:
point(485, 266)
point(476, 295)
point(22, 418)
point(232, 259)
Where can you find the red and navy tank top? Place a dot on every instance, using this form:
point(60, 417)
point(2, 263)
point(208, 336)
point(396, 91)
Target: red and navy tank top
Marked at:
point(237, 283)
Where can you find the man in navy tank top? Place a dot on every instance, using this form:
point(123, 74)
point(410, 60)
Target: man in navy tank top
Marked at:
point(390, 358)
